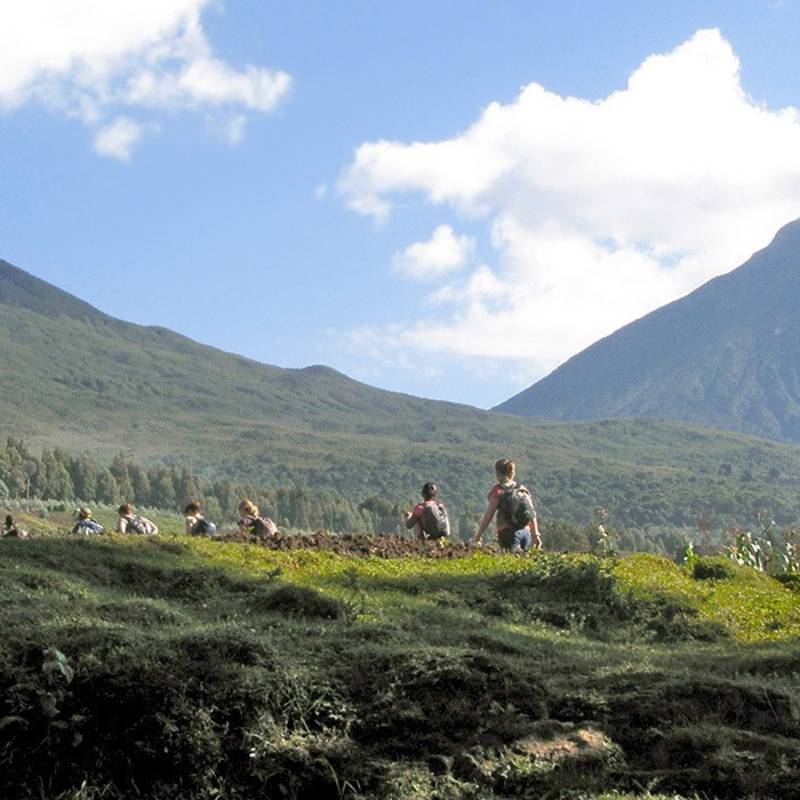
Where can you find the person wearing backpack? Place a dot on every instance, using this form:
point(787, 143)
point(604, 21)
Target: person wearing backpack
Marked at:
point(196, 523)
point(12, 530)
point(429, 517)
point(516, 525)
point(85, 525)
point(252, 523)
point(129, 522)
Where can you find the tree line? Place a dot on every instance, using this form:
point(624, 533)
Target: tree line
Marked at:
point(55, 475)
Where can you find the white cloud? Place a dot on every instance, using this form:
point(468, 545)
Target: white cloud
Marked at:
point(598, 212)
point(117, 139)
point(94, 59)
point(444, 252)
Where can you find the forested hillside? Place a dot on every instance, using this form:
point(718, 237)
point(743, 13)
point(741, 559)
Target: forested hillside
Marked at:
point(78, 382)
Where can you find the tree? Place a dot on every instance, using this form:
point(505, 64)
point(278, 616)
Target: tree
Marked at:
point(120, 470)
point(140, 485)
point(84, 478)
point(162, 494)
point(107, 490)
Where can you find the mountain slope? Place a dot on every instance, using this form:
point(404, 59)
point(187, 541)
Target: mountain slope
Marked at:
point(728, 355)
point(73, 377)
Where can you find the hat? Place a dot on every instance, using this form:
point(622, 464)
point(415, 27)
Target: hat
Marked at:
point(84, 512)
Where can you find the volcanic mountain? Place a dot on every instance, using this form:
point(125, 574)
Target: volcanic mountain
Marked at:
point(726, 355)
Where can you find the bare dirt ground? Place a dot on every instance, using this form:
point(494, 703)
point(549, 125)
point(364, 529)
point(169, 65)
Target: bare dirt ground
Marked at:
point(346, 544)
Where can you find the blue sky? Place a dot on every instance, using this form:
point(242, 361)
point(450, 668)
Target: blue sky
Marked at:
point(232, 206)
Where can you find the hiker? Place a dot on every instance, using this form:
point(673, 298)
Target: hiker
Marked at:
point(252, 523)
point(85, 524)
point(516, 525)
point(11, 530)
point(196, 523)
point(429, 517)
point(129, 522)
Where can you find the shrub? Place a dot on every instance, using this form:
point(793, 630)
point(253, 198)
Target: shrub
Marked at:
point(301, 601)
point(711, 569)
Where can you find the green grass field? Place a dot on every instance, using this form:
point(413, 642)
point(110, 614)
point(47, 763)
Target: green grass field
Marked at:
point(170, 667)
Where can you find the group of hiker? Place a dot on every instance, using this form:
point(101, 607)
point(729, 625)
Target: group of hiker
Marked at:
point(509, 503)
point(195, 522)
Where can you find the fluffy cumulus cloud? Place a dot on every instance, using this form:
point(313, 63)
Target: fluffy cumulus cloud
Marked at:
point(444, 252)
point(597, 211)
point(103, 60)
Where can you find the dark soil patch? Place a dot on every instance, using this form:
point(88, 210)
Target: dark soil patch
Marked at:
point(362, 545)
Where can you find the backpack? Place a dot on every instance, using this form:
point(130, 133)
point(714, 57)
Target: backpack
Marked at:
point(516, 506)
point(87, 526)
point(264, 526)
point(435, 522)
point(138, 525)
point(204, 527)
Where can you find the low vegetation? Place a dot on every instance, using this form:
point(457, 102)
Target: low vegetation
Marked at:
point(170, 667)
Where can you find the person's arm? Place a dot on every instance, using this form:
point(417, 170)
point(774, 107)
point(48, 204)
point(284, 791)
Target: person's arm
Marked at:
point(122, 525)
point(494, 499)
point(189, 523)
point(411, 518)
point(537, 537)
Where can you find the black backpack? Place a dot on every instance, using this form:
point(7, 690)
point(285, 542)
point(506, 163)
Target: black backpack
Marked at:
point(264, 527)
point(516, 505)
point(204, 527)
point(137, 525)
point(435, 522)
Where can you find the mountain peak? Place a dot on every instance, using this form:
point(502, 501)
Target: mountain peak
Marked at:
point(728, 355)
point(20, 289)
point(789, 233)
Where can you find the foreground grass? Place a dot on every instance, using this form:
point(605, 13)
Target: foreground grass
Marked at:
point(174, 667)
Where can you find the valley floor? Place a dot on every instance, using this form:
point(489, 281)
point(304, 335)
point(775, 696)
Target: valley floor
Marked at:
point(171, 667)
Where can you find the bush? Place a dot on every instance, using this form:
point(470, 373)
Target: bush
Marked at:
point(301, 602)
point(711, 569)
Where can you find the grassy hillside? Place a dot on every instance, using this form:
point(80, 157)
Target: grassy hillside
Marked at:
point(75, 378)
point(728, 355)
point(175, 668)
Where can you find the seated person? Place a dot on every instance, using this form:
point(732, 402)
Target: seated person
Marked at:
point(12, 530)
point(252, 524)
point(129, 522)
point(196, 523)
point(429, 518)
point(85, 524)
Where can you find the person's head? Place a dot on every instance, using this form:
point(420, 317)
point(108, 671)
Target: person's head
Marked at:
point(504, 469)
point(125, 510)
point(248, 508)
point(429, 491)
point(9, 520)
point(84, 513)
point(193, 508)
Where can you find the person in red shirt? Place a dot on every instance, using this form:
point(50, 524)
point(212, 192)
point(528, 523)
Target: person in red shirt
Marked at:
point(508, 536)
point(416, 517)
